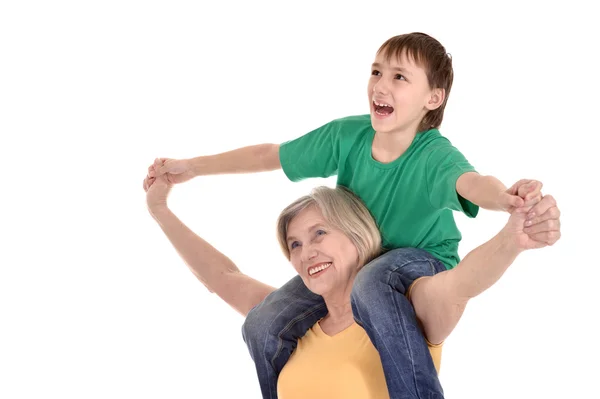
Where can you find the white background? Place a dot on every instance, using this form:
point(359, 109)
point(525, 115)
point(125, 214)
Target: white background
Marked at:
point(95, 303)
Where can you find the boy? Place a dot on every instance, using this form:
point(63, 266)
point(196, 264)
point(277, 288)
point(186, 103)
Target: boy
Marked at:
point(410, 177)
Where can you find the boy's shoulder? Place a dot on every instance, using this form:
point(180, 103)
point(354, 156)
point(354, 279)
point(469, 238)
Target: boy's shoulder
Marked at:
point(435, 147)
point(433, 139)
point(354, 122)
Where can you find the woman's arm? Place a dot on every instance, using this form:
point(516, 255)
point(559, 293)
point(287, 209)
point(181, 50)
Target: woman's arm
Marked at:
point(215, 270)
point(440, 300)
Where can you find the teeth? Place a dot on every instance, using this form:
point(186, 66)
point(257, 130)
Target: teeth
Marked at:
point(382, 104)
point(318, 268)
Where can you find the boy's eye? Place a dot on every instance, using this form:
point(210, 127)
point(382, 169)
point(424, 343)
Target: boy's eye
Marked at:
point(320, 232)
point(375, 72)
point(294, 244)
point(400, 77)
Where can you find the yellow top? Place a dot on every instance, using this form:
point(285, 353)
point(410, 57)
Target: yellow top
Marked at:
point(345, 365)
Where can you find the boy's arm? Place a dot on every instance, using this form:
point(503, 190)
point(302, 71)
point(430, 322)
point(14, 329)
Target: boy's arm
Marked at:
point(311, 155)
point(251, 159)
point(256, 158)
point(489, 192)
point(439, 301)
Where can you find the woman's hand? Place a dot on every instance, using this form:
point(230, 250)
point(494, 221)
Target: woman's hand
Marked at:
point(157, 189)
point(537, 228)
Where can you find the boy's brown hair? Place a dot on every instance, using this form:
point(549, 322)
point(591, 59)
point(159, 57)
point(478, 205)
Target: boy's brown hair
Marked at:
point(430, 55)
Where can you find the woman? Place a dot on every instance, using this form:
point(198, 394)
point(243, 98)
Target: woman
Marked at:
point(328, 236)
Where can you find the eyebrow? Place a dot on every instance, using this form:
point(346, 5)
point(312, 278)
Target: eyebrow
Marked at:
point(399, 69)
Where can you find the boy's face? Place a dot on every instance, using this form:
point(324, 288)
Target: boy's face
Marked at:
point(400, 95)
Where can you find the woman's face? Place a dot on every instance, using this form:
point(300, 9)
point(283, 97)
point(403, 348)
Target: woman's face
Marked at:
point(324, 257)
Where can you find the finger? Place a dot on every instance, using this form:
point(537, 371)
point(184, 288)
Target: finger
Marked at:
point(170, 168)
point(548, 237)
point(523, 189)
point(162, 167)
point(149, 181)
point(533, 201)
point(534, 190)
point(514, 201)
point(528, 186)
point(153, 169)
point(552, 213)
point(546, 203)
point(536, 244)
point(547, 225)
point(514, 189)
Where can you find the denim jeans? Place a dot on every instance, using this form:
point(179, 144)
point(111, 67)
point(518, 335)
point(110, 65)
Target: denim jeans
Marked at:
point(379, 304)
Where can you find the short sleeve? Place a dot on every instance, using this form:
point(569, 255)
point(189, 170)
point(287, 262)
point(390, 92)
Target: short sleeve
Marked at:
point(444, 166)
point(315, 154)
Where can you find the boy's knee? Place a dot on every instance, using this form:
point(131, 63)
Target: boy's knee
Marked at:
point(372, 273)
point(368, 283)
point(396, 269)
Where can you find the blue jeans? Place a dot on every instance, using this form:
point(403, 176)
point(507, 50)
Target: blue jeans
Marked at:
point(379, 304)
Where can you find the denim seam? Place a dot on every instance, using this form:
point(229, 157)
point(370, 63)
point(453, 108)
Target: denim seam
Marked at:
point(401, 320)
point(409, 349)
point(288, 327)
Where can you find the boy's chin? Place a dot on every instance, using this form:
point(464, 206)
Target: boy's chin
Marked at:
point(382, 125)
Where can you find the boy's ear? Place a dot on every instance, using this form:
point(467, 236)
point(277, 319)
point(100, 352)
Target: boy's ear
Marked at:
point(437, 99)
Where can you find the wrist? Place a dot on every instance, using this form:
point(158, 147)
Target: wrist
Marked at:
point(508, 242)
point(158, 210)
point(500, 202)
point(196, 165)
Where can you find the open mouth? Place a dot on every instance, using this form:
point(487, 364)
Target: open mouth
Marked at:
point(317, 270)
point(382, 109)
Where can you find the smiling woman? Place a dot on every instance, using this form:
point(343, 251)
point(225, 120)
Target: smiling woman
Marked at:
point(330, 237)
point(341, 210)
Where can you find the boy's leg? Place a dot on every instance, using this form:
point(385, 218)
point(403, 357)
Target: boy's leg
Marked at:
point(272, 329)
point(379, 305)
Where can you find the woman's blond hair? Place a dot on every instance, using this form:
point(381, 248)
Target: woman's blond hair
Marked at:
point(344, 211)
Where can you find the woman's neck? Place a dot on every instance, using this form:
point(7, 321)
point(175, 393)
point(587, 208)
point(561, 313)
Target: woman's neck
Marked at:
point(339, 316)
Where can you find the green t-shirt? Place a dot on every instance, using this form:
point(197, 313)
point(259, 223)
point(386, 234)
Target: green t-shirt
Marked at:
point(411, 198)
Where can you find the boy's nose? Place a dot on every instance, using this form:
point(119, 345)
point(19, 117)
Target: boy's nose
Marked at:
point(381, 87)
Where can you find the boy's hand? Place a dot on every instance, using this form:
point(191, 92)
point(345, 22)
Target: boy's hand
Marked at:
point(174, 170)
point(522, 194)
